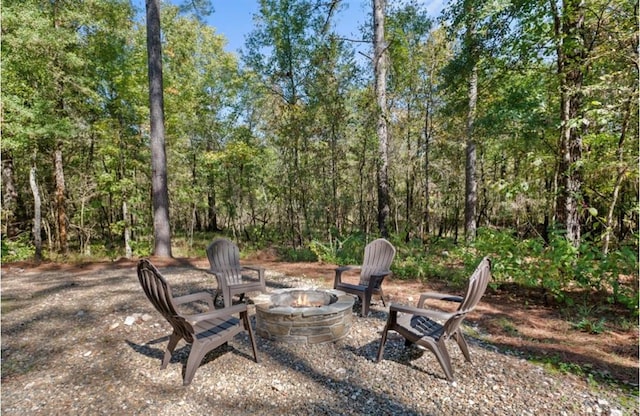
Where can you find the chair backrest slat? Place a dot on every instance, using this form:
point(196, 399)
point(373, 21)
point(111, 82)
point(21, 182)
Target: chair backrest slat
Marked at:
point(225, 256)
point(378, 256)
point(158, 291)
point(475, 289)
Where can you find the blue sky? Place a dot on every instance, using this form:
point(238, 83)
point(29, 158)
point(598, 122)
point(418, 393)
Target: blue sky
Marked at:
point(234, 18)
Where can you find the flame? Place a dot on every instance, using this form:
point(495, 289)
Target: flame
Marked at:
point(302, 301)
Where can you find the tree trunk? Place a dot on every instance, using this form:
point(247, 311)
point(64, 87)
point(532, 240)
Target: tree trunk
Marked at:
point(620, 174)
point(60, 202)
point(471, 183)
point(161, 227)
point(37, 212)
point(9, 197)
point(570, 60)
point(128, 253)
point(380, 70)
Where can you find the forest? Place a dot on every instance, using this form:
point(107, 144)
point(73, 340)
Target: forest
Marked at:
point(505, 128)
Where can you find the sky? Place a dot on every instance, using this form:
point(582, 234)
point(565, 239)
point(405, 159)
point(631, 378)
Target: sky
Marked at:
point(234, 18)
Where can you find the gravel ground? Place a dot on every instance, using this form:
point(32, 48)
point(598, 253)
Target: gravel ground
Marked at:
point(91, 343)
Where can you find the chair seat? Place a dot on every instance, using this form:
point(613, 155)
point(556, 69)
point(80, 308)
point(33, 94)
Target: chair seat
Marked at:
point(421, 326)
point(212, 330)
point(348, 287)
point(247, 286)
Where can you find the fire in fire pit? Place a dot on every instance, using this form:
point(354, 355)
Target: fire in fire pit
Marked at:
point(306, 316)
point(303, 299)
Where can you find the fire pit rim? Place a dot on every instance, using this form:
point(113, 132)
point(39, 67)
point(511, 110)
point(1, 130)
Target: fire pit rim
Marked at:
point(264, 304)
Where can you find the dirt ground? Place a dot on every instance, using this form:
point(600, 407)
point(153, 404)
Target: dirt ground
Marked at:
point(506, 317)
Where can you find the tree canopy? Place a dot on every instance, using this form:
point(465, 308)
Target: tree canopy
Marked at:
point(280, 145)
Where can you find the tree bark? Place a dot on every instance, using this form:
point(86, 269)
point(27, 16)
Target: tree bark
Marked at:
point(570, 60)
point(128, 252)
point(60, 202)
point(161, 226)
point(380, 62)
point(471, 183)
point(9, 197)
point(620, 173)
point(37, 212)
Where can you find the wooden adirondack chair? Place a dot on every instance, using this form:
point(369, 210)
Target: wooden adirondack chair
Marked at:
point(204, 331)
point(421, 327)
point(224, 261)
point(378, 256)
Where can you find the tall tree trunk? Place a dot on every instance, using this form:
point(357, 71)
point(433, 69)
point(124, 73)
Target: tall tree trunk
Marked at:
point(37, 211)
point(60, 202)
point(471, 183)
point(570, 60)
point(620, 174)
point(161, 227)
point(428, 133)
point(9, 197)
point(380, 62)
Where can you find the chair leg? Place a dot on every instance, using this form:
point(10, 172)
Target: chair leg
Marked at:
point(462, 343)
point(215, 298)
point(366, 300)
point(383, 340)
point(382, 298)
point(171, 346)
point(193, 362)
point(441, 353)
point(247, 327)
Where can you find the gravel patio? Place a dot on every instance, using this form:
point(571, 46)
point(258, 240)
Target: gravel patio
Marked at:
point(88, 342)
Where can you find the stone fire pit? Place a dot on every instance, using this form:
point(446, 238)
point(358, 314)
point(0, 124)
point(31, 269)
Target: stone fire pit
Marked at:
point(304, 316)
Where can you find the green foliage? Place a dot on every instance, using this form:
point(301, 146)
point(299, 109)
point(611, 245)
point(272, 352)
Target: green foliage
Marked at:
point(557, 266)
point(294, 255)
point(591, 325)
point(19, 249)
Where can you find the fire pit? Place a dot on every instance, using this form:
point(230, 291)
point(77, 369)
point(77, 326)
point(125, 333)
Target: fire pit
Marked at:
point(304, 316)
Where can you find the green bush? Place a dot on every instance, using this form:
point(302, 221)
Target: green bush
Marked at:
point(17, 250)
point(557, 266)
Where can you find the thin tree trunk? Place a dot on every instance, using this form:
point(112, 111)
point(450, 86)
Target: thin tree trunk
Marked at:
point(9, 197)
point(620, 174)
point(128, 252)
point(161, 226)
point(471, 183)
point(380, 70)
point(37, 212)
point(60, 202)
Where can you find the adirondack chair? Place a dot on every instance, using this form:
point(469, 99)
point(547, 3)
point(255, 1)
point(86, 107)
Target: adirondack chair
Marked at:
point(378, 256)
point(232, 278)
point(420, 326)
point(204, 331)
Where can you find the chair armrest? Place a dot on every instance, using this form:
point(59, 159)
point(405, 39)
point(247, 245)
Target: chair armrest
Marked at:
point(259, 270)
point(429, 313)
point(256, 268)
point(206, 296)
point(217, 313)
point(375, 281)
point(340, 270)
point(438, 296)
